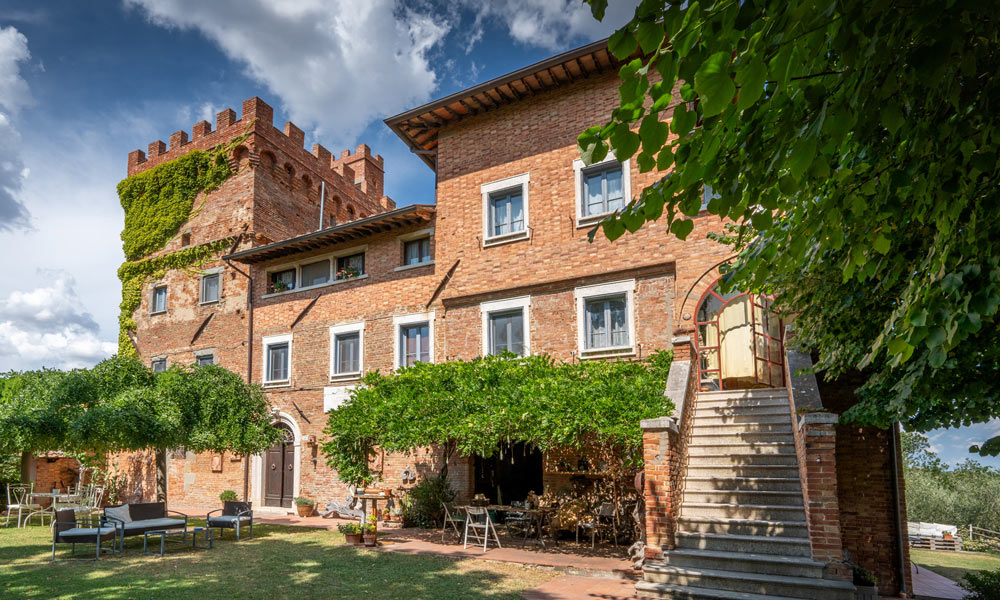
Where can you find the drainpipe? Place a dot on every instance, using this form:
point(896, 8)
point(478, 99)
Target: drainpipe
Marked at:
point(246, 459)
point(901, 562)
point(322, 200)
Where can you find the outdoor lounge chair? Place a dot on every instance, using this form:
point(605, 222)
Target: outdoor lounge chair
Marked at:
point(477, 519)
point(145, 517)
point(67, 529)
point(19, 499)
point(454, 518)
point(235, 515)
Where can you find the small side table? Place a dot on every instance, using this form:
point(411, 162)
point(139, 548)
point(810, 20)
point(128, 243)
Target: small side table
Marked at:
point(163, 535)
point(206, 532)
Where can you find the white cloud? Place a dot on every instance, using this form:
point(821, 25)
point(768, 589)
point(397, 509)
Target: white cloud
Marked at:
point(48, 326)
point(549, 24)
point(14, 95)
point(336, 65)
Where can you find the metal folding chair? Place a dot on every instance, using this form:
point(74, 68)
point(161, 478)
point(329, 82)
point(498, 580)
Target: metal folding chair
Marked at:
point(478, 521)
point(453, 517)
point(605, 519)
point(19, 499)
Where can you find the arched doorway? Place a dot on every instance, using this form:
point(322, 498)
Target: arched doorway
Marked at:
point(739, 341)
point(279, 469)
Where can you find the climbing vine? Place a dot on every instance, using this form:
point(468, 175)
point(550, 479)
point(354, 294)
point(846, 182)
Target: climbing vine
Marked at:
point(472, 406)
point(157, 203)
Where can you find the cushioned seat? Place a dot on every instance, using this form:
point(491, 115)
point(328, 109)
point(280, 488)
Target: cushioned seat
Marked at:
point(229, 519)
point(85, 534)
point(163, 523)
point(234, 515)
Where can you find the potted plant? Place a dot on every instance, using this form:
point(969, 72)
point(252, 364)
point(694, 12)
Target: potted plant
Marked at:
point(864, 583)
point(352, 533)
point(348, 273)
point(228, 496)
point(304, 506)
point(279, 286)
point(370, 531)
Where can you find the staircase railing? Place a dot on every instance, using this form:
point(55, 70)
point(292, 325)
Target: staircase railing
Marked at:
point(683, 396)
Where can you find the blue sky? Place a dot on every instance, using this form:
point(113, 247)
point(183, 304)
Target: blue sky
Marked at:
point(84, 83)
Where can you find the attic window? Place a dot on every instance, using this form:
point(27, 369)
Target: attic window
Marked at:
point(186, 239)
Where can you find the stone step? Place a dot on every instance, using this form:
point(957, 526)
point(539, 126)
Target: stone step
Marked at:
point(700, 446)
point(765, 512)
point(788, 484)
point(772, 564)
point(734, 459)
point(709, 436)
point(783, 419)
point(722, 411)
point(754, 544)
point(649, 589)
point(731, 470)
point(709, 402)
point(698, 428)
point(809, 588)
point(743, 527)
point(785, 498)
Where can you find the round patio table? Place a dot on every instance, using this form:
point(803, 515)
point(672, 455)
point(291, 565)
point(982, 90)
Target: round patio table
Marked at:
point(56, 498)
point(538, 518)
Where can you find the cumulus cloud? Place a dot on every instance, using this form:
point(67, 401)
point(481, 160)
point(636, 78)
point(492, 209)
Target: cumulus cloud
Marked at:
point(549, 24)
point(48, 326)
point(336, 65)
point(14, 95)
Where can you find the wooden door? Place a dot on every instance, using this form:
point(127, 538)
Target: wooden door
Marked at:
point(279, 471)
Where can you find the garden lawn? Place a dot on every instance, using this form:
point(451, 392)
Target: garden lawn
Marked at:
point(954, 565)
point(279, 562)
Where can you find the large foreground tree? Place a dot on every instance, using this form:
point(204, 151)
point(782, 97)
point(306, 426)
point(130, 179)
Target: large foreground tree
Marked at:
point(854, 145)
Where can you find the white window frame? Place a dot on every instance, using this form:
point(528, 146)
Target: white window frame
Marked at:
point(201, 285)
point(336, 330)
point(523, 180)
point(297, 265)
point(594, 292)
point(411, 319)
point(578, 168)
point(507, 305)
point(152, 299)
point(266, 343)
point(205, 352)
point(412, 237)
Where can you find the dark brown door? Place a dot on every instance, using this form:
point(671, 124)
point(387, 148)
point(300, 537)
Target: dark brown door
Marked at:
point(279, 470)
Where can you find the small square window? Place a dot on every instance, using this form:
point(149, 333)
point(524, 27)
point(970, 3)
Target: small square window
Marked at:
point(506, 212)
point(708, 194)
point(351, 266)
point(315, 273)
point(606, 322)
point(159, 365)
point(414, 344)
point(277, 362)
point(281, 281)
point(507, 332)
point(603, 191)
point(416, 252)
point(158, 302)
point(347, 353)
point(210, 288)
point(205, 359)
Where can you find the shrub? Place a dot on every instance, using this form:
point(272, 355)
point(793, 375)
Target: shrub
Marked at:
point(228, 496)
point(984, 585)
point(300, 501)
point(349, 528)
point(425, 501)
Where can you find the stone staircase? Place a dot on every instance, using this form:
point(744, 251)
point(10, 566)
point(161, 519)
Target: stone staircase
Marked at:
point(741, 531)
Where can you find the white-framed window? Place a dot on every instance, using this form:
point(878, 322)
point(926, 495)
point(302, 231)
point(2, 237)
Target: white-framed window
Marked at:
point(277, 360)
point(606, 319)
point(505, 326)
point(601, 189)
point(347, 343)
point(414, 338)
point(707, 195)
point(416, 249)
point(158, 365)
point(158, 300)
point(505, 210)
point(317, 271)
point(211, 287)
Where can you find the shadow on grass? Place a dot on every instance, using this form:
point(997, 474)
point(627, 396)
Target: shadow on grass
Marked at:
point(279, 561)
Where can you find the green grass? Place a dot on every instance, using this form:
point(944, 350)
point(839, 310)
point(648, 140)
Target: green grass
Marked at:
point(954, 565)
point(279, 562)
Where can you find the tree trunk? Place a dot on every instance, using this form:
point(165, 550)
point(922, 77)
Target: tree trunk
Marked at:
point(161, 475)
point(26, 458)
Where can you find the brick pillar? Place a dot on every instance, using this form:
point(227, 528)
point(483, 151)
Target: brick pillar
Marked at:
point(659, 443)
point(816, 446)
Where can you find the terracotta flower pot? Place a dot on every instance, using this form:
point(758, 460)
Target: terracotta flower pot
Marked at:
point(353, 538)
point(304, 510)
point(371, 539)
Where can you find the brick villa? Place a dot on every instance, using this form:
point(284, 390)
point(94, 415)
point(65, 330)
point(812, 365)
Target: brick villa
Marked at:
point(752, 486)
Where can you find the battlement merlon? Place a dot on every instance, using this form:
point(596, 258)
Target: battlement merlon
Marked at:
point(360, 168)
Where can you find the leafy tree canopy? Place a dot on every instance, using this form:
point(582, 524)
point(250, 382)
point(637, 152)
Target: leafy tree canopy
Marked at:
point(853, 145)
point(472, 406)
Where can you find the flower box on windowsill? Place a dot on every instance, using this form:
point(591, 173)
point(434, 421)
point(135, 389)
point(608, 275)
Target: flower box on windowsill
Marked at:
point(318, 285)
